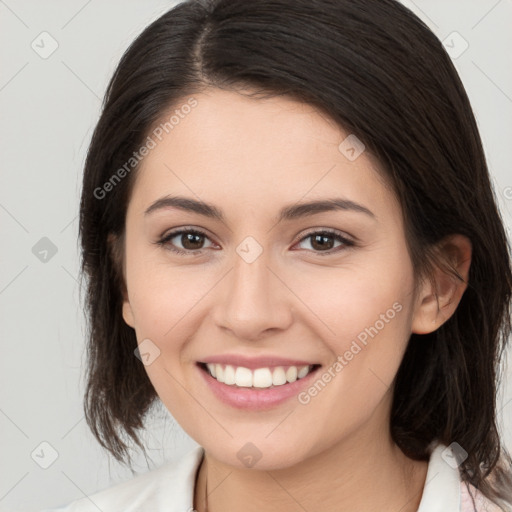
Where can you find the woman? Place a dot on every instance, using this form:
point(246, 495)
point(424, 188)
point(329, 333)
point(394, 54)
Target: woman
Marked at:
point(291, 240)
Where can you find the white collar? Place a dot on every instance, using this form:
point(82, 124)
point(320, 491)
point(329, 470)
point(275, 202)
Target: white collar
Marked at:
point(441, 492)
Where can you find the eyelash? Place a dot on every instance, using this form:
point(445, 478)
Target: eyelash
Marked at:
point(163, 242)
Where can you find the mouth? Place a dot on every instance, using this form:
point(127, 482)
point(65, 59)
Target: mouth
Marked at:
point(258, 378)
point(256, 389)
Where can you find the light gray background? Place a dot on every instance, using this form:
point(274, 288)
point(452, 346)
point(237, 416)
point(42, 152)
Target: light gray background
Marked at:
point(49, 107)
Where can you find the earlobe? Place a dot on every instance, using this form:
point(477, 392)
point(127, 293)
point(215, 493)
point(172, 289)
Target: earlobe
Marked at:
point(437, 301)
point(128, 313)
point(115, 248)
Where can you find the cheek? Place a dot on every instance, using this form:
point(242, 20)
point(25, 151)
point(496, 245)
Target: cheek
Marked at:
point(363, 315)
point(353, 303)
point(369, 325)
point(161, 293)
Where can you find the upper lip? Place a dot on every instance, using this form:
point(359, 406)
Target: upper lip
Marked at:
point(255, 362)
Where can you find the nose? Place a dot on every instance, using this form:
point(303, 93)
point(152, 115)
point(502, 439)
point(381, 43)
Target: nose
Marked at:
point(253, 300)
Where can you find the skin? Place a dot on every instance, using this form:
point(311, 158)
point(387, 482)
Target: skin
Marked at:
point(250, 158)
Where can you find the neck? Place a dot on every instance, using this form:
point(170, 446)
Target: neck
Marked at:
point(362, 473)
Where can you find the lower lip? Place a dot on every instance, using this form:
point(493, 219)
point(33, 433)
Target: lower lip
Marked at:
point(255, 399)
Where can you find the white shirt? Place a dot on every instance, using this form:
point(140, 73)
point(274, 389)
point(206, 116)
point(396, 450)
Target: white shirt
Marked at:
point(170, 488)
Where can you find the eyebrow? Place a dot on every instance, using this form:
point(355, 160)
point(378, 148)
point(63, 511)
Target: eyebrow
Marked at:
point(289, 212)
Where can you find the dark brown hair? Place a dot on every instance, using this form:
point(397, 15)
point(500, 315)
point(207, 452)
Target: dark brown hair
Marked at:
point(381, 74)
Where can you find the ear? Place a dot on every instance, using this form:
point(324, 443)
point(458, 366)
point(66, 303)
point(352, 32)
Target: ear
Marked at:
point(128, 313)
point(436, 302)
point(115, 247)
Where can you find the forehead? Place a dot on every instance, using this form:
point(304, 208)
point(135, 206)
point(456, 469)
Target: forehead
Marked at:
point(254, 152)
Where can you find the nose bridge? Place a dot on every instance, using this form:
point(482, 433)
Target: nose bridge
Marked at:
point(255, 300)
point(250, 284)
point(250, 273)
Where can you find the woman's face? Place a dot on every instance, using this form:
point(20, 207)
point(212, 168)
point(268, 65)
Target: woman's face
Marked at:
point(259, 290)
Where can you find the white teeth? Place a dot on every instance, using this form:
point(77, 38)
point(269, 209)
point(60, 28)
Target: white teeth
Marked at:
point(211, 367)
point(219, 373)
point(262, 378)
point(243, 377)
point(258, 378)
point(279, 377)
point(291, 374)
point(302, 372)
point(229, 375)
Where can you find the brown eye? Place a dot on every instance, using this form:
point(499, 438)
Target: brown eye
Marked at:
point(323, 241)
point(191, 240)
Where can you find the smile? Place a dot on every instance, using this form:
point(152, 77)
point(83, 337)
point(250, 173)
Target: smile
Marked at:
point(265, 377)
point(257, 389)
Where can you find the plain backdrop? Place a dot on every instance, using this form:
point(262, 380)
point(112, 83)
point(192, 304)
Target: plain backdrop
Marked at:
point(57, 57)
